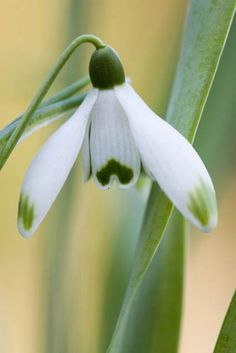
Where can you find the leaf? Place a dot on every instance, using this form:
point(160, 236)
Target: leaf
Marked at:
point(219, 117)
point(48, 110)
point(159, 301)
point(226, 342)
point(207, 26)
point(42, 117)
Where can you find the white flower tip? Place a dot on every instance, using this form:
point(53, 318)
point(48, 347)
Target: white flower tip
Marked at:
point(26, 216)
point(203, 208)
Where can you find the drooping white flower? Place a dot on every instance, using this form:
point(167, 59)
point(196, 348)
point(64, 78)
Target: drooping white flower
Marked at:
point(118, 134)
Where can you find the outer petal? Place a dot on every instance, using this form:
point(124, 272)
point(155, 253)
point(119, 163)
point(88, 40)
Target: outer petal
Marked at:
point(50, 168)
point(113, 152)
point(172, 161)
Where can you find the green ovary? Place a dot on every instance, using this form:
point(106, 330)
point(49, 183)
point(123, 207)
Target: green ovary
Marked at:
point(26, 212)
point(113, 167)
point(202, 203)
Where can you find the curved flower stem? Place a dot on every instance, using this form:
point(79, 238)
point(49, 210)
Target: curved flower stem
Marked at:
point(87, 38)
point(41, 117)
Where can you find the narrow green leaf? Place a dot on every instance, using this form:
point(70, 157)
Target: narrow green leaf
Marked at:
point(68, 91)
point(55, 105)
point(226, 342)
point(219, 118)
point(207, 26)
point(42, 117)
point(159, 301)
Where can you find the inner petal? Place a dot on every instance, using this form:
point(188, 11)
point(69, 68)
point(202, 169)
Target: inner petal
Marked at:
point(86, 155)
point(114, 155)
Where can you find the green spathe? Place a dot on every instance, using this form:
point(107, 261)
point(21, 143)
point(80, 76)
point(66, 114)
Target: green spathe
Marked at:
point(105, 69)
point(113, 167)
point(202, 203)
point(26, 212)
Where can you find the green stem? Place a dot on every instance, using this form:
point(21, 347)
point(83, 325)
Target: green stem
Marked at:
point(8, 148)
point(41, 117)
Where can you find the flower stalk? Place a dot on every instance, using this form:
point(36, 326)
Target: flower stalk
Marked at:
point(63, 58)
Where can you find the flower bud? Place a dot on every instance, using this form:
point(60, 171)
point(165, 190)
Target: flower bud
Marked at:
point(105, 69)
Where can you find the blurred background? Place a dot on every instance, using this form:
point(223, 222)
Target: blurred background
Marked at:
point(61, 290)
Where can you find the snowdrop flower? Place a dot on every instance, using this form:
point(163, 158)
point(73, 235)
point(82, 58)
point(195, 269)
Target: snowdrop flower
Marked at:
point(118, 134)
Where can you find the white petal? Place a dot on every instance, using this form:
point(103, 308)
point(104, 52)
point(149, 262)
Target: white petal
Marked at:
point(172, 160)
point(113, 151)
point(50, 168)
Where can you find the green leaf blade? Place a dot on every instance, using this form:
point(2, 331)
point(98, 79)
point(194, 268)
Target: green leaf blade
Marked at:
point(159, 301)
point(201, 51)
point(226, 342)
point(42, 117)
point(206, 30)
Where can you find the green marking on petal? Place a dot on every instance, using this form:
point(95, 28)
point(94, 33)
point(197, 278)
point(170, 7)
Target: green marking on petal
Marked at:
point(113, 167)
point(202, 203)
point(26, 212)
